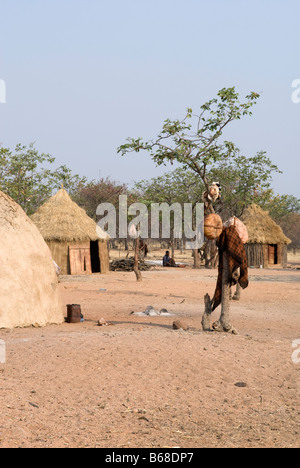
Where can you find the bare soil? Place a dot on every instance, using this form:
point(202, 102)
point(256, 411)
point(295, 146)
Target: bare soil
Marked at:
point(139, 383)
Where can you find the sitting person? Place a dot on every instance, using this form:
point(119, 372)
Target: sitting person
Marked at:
point(168, 261)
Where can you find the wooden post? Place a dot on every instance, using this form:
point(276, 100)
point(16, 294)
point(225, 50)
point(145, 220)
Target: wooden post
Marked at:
point(197, 263)
point(223, 324)
point(225, 310)
point(136, 260)
point(172, 243)
point(210, 254)
point(237, 294)
point(207, 313)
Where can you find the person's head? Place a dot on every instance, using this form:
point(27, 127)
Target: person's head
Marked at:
point(168, 253)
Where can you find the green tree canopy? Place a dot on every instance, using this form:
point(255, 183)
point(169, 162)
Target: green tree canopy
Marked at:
point(196, 141)
point(27, 176)
point(90, 195)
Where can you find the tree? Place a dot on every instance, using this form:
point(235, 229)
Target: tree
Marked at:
point(25, 175)
point(245, 180)
point(95, 192)
point(197, 145)
point(279, 206)
point(179, 186)
point(64, 177)
point(285, 210)
point(291, 227)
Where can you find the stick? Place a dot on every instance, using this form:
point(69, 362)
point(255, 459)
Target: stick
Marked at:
point(207, 313)
point(136, 260)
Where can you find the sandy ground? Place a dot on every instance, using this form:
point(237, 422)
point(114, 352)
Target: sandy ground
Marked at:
point(139, 383)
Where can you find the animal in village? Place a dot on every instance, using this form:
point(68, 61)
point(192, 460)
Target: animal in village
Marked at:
point(210, 196)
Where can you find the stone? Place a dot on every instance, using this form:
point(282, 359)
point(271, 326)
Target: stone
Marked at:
point(178, 325)
point(240, 384)
point(102, 322)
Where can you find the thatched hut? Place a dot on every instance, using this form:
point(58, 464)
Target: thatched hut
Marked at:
point(267, 244)
point(77, 244)
point(28, 282)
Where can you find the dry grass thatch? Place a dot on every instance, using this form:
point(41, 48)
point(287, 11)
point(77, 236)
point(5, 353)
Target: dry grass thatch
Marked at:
point(28, 283)
point(261, 227)
point(61, 219)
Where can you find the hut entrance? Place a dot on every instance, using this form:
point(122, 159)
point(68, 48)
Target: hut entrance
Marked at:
point(95, 259)
point(273, 254)
point(80, 260)
point(84, 259)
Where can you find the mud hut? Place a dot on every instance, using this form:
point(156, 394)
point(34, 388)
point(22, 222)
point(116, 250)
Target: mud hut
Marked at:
point(77, 244)
point(267, 244)
point(28, 282)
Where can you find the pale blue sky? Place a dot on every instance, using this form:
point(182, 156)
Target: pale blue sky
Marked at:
point(83, 75)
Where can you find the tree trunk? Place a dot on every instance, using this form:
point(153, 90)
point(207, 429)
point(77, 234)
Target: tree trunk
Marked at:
point(210, 254)
point(181, 246)
point(225, 309)
point(224, 324)
point(136, 260)
point(237, 294)
point(207, 313)
point(197, 262)
point(172, 243)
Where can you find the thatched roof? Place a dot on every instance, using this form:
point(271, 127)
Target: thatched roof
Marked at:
point(61, 219)
point(261, 227)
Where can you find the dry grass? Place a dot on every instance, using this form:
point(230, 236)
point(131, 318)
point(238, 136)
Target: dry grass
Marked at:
point(60, 219)
point(261, 228)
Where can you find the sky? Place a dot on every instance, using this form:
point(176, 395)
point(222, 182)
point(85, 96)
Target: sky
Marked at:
point(83, 75)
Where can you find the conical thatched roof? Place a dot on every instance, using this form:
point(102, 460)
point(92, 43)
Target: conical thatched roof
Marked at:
point(61, 219)
point(261, 227)
point(28, 282)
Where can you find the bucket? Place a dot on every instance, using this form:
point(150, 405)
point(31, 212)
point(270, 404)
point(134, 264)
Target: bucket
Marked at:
point(74, 313)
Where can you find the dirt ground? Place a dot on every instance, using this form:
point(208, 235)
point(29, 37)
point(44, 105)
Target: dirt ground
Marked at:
point(139, 383)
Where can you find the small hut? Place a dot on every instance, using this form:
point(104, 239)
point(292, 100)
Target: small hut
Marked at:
point(28, 282)
point(267, 244)
point(78, 245)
